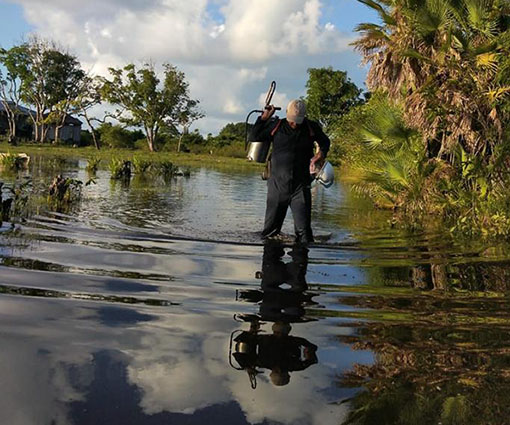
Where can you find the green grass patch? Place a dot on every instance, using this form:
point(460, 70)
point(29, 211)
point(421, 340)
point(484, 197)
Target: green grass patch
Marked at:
point(181, 159)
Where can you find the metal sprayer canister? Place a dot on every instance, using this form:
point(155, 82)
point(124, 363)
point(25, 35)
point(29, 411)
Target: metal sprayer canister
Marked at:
point(258, 151)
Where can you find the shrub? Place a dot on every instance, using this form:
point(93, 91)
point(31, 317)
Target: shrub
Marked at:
point(114, 136)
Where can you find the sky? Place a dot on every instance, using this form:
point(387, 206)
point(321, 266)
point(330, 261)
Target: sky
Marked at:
point(230, 50)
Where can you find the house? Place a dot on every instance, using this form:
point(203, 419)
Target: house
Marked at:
point(24, 126)
point(70, 132)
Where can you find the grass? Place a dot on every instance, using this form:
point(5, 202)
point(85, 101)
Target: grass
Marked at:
point(181, 159)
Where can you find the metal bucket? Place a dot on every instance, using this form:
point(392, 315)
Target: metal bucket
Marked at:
point(243, 347)
point(257, 151)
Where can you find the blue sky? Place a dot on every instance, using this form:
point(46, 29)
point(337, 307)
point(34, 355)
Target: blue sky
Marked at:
point(229, 49)
point(346, 14)
point(12, 24)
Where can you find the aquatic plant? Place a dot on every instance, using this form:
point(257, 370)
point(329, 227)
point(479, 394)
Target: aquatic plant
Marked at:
point(65, 190)
point(120, 169)
point(141, 165)
point(5, 205)
point(166, 168)
point(8, 161)
point(93, 164)
point(15, 204)
point(13, 162)
point(182, 172)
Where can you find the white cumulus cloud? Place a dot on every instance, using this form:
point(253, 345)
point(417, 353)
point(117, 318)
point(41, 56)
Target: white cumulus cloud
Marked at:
point(229, 49)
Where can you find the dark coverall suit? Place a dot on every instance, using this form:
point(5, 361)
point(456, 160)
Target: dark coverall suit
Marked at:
point(289, 181)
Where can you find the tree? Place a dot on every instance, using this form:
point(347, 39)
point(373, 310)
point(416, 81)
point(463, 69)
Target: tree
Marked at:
point(115, 136)
point(231, 133)
point(88, 97)
point(49, 79)
point(143, 100)
point(329, 95)
point(66, 83)
point(448, 62)
point(10, 85)
point(187, 117)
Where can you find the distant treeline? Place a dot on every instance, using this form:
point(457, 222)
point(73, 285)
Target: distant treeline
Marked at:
point(228, 142)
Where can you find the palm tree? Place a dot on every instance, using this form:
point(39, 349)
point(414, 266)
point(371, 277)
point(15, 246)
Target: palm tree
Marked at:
point(392, 168)
point(448, 62)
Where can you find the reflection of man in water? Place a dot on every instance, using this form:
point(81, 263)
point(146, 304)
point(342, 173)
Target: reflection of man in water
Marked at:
point(277, 302)
point(279, 352)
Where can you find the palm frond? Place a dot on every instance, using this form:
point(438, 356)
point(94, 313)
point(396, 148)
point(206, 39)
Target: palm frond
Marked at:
point(381, 10)
point(488, 60)
point(496, 94)
point(411, 53)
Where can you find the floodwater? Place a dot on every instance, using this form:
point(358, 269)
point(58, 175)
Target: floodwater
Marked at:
point(154, 302)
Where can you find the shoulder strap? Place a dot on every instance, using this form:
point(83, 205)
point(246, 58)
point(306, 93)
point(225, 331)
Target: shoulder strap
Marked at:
point(273, 132)
point(310, 129)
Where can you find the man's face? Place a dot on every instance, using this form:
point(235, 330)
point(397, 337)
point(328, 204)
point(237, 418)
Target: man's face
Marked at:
point(293, 125)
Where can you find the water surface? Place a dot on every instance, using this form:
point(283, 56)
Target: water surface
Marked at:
point(154, 302)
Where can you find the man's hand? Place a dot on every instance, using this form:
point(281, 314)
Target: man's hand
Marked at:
point(268, 113)
point(318, 158)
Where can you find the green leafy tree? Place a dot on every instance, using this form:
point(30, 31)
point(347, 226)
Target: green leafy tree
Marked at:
point(329, 95)
point(146, 101)
point(69, 82)
point(188, 115)
point(192, 141)
point(88, 97)
point(10, 85)
point(115, 136)
point(50, 79)
point(230, 134)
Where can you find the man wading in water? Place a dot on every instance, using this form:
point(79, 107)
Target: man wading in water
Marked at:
point(291, 161)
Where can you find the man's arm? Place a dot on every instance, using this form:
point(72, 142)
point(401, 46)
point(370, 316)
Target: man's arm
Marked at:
point(263, 127)
point(324, 144)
